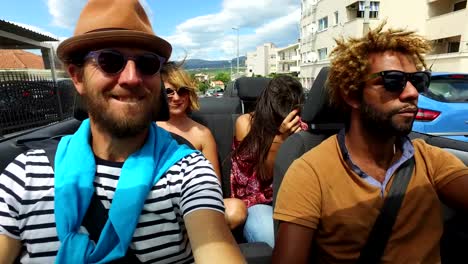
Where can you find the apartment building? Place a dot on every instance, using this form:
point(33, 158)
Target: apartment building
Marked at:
point(288, 59)
point(444, 22)
point(262, 61)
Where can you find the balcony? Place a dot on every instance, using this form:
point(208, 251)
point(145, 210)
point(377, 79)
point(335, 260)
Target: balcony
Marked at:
point(289, 59)
point(446, 25)
point(295, 69)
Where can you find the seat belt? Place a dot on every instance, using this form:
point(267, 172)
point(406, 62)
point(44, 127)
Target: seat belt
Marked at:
point(96, 215)
point(374, 248)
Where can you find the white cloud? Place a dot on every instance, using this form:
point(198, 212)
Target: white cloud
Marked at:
point(65, 14)
point(212, 37)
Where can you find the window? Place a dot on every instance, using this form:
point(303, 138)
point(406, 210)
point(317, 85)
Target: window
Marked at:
point(323, 23)
point(336, 17)
point(373, 9)
point(322, 53)
point(459, 6)
point(453, 47)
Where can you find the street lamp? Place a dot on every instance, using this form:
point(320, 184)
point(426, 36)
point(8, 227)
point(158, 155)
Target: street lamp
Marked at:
point(237, 29)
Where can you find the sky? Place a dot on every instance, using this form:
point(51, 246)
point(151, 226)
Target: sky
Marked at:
point(197, 29)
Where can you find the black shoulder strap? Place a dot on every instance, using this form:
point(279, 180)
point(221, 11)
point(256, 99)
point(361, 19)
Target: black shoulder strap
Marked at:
point(96, 215)
point(382, 229)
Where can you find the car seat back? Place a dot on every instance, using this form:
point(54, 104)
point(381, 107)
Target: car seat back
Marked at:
point(249, 90)
point(219, 115)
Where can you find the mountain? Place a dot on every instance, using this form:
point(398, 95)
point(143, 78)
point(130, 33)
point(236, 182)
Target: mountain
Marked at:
point(192, 64)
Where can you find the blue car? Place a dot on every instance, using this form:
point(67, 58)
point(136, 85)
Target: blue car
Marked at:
point(443, 109)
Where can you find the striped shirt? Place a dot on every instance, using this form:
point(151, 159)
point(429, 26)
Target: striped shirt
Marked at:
point(27, 206)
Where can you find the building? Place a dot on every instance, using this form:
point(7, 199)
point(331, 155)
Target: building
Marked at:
point(262, 61)
point(201, 77)
point(217, 83)
point(288, 59)
point(444, 22)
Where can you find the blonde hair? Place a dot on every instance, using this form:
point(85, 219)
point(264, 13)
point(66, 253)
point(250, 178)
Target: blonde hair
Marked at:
point(350, 64)
point(175, 75)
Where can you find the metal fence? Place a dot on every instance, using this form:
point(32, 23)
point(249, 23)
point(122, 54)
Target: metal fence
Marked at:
point(29, 100)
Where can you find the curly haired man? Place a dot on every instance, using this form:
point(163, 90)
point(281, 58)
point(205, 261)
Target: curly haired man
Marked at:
point(331, 197)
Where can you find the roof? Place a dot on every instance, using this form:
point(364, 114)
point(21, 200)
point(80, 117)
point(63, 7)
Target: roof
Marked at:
point(20, 31)
point(20, 59)
point(291, 46)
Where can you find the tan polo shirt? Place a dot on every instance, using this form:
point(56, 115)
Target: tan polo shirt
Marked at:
point(322, 192)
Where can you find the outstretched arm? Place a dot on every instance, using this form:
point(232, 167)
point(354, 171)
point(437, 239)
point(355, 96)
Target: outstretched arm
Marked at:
point(211, 239)
point(9, 249)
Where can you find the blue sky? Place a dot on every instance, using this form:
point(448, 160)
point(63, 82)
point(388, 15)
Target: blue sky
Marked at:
point(196, 28)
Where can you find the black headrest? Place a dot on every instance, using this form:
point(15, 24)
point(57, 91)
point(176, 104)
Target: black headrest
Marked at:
point(317, 110)
point(223, 105)
point(250, 88)
point(80, 112)
point(230, 91)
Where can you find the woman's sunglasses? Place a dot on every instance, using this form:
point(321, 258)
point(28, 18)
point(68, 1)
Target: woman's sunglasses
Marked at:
point(113, 62)
point(182, 91)
point(395, 81)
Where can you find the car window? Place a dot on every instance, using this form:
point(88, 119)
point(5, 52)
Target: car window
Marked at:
point(450, 88)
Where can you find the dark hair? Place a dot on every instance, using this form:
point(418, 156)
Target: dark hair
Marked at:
point(282, 95)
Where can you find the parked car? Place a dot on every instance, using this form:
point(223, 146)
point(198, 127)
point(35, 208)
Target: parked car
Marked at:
point(214, 92)
point(443, 109)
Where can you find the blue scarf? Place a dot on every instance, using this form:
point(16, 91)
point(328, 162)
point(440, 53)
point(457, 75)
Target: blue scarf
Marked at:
point(75, 169)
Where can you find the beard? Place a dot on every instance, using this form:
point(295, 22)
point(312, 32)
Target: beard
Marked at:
point(121, 124)
point(385, 124)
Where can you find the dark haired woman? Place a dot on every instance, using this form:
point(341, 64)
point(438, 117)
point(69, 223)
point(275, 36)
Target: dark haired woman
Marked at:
point(258, 136)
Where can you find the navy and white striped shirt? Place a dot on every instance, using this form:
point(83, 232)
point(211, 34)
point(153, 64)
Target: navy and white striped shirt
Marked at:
point(27, 206)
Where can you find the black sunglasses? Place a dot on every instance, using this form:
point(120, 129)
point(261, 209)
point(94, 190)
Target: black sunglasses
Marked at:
point(113, 62)
point(395, 81)
point(182, 91)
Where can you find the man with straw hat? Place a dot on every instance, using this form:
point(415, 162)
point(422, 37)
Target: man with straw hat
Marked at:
point(163, 202)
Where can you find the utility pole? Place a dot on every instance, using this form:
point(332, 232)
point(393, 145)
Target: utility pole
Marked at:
point(365, 24)
point(237, 29)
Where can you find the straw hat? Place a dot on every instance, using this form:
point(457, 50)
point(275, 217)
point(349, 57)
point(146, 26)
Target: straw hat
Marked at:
point(105, 23)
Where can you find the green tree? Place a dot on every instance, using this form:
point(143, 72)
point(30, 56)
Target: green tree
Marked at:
point(223, 76)
point(202, 87)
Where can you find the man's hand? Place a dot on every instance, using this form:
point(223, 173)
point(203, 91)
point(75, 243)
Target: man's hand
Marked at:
point(291, 124)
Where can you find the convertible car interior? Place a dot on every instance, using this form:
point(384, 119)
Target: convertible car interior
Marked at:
point(219, 115)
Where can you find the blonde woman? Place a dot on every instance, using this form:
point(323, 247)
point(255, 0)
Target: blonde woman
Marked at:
point(183, 99)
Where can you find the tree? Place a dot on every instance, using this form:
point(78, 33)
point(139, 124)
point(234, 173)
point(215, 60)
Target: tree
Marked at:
point(202, 87)
point(223, 76)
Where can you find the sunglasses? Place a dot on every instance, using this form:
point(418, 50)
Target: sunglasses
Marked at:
point(182, 91)
point(113, 62)
point(395, 81)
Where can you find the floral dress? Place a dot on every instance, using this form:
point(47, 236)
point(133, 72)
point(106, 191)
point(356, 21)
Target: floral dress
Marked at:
point(245, 184)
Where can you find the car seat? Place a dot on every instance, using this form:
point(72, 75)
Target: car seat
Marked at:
point(219, 116)
point(249, 89)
